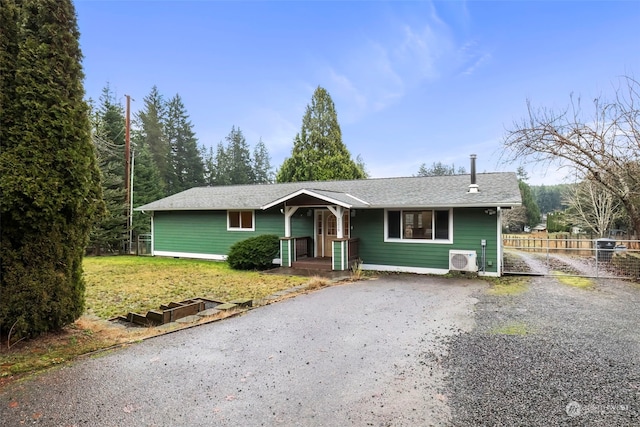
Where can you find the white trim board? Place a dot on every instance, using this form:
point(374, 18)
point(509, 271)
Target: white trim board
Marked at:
point(417, 270)
point(215, 257)
point(404, 269)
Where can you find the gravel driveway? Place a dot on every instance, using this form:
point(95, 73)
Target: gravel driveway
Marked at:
point(554, 355)
point(365, 353)
point(398, 351)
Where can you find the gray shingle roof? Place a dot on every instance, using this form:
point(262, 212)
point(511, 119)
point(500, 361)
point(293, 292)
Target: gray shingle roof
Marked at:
point(496, 189)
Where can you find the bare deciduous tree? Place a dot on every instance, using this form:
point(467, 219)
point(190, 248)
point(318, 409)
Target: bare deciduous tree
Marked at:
point(591, 207)
point(602, 145)
point(514, 218)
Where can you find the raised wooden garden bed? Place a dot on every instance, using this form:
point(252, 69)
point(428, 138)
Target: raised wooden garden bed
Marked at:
point(177, 310)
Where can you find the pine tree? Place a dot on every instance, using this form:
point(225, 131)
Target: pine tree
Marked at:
point(238, 156)
point(233, 164)
point(532, 212)
point(222, 166)
point(209, 161)
point(108, 136)
point(146, 188)
point(187, 167)
point(318, 152)
point(50, 183)
point(150, 121)
point(262, 170)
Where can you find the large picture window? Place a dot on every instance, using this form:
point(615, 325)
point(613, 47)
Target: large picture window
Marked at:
point(418, 225)
point(240, 221)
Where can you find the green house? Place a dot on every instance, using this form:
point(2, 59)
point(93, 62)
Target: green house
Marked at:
point(418, 224)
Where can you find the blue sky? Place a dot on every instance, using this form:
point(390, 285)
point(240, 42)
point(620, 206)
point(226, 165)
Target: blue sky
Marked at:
point(413, 82)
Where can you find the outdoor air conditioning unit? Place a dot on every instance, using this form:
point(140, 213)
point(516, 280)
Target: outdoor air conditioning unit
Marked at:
point(460, 260)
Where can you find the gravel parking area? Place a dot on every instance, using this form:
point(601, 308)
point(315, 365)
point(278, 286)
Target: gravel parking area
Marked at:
point(553, 355)
point(403, 350)
point(357, 354)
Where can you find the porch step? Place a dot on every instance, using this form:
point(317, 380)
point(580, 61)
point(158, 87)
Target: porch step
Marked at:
point(312, 264)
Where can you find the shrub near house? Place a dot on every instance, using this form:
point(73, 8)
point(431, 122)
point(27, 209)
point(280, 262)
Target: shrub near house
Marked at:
point(255, 253)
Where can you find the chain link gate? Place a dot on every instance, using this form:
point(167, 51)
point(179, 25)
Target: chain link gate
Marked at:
point(596, 258)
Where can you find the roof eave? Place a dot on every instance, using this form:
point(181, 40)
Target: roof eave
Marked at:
point(310, 193)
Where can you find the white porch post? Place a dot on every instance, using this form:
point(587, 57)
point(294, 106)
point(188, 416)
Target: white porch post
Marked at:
point(338, 211)
point(288, 213)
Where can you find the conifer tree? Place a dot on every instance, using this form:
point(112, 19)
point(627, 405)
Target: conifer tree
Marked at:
point(262, 173)
point(238, 157)
point(187, 167)
point(221, 166)
point(318, 152)
point(50, 182)
point(108, 135)
point(146, 188)
point(150, 121)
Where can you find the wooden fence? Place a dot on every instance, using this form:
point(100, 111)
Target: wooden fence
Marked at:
point(560, 243)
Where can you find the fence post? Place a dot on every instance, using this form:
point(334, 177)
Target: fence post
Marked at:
point(595, 247)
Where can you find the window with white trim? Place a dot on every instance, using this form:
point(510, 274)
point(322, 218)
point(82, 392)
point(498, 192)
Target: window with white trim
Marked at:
point(240, 221)
point(418, 225)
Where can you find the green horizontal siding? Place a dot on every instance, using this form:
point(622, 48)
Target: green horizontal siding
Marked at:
point(301, 224)
point(469, 227)
point(284, 252)
point(340, 254)
point(205, 232)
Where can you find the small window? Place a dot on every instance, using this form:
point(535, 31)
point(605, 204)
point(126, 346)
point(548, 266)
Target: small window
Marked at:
point(393, 224)
point(345, 225)
point(418, 225)
point(332, 225)
point(240, 221)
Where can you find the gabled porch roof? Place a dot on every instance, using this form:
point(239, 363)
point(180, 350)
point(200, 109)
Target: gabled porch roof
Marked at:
point(314, 197)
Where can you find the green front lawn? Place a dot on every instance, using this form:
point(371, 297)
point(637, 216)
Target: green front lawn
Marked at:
point(117, 285)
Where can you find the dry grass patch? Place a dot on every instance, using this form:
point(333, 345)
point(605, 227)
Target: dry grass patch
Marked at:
point(118, 285)
point(317, 282)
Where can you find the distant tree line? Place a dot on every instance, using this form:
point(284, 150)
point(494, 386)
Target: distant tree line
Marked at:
point(167, 159)
point(440, 169)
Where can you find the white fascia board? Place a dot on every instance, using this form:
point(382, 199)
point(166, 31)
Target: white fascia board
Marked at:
point(447, 206)
point(308, 193)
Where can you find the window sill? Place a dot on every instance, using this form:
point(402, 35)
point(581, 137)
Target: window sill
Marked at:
point(421, 241)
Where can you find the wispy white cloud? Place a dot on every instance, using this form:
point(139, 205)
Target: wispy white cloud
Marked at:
point(377, 72)
point(472, 57)
point(275, 129)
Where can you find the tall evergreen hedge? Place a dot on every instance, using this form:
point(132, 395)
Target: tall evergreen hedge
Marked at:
point(49, 181)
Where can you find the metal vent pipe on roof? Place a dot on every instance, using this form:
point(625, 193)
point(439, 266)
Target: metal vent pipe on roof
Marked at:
point(473, 187)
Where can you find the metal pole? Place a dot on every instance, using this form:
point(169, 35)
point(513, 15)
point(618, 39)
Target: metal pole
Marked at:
point(127, 153)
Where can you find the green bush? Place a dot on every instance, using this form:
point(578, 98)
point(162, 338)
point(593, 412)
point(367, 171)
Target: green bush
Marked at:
point(255, 253)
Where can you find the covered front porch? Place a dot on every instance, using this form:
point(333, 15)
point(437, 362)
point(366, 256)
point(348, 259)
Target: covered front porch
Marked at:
point(295, 253)
point(331, 247)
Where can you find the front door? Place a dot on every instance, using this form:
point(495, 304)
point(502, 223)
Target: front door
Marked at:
point(327, 231)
